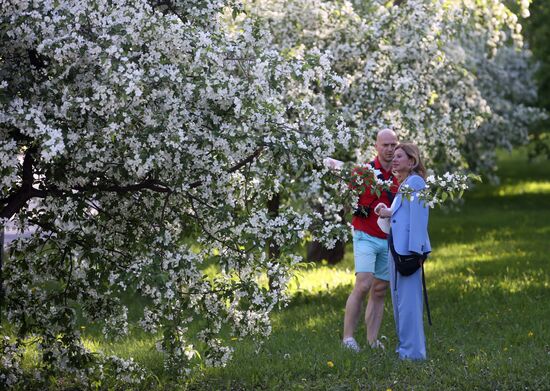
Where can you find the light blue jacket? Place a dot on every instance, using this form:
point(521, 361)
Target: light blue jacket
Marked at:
point(409, 220)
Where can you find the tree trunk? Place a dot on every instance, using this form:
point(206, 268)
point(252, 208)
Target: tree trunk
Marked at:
point(316, 252)
point(273, 209)
point(1, 272)
point(273, 249)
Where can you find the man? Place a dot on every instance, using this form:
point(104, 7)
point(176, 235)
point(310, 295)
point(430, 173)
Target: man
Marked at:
point(370, 249)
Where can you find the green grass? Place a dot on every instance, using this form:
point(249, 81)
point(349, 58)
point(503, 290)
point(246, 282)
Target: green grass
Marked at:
point(489, 285)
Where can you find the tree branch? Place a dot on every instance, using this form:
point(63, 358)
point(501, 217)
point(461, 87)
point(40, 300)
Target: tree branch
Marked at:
point(170, 7)
point(148, 184)
point(237, 166)
point(15, 201)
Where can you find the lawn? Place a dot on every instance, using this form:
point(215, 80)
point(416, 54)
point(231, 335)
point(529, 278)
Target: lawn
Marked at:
point(489, 286)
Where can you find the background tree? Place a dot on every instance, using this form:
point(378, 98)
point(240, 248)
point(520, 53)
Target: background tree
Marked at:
point(148, 140)
point(537, 33)
point(455, 79)
point(428, 71)
point(153, 137)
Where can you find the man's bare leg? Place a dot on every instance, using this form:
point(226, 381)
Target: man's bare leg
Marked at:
point(363, 283)
point(375, 309)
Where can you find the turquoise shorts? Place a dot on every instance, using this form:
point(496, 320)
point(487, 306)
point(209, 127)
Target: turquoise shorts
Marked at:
point(371, 255)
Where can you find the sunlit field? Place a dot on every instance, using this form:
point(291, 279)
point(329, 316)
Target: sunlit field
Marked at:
point(489, 287)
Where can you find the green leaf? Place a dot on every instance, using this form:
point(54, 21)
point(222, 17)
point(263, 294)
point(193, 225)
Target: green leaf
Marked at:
point(475, 177)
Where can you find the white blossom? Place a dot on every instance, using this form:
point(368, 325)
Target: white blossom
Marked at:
point(145, 142)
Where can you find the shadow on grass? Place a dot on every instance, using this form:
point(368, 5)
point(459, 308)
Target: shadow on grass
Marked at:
point(520, 215)
point(489, 288)
point(489, 285)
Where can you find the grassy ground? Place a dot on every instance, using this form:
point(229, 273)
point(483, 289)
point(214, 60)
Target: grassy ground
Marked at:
point(489, 286)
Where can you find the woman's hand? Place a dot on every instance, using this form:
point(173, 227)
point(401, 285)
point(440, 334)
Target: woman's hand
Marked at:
point(382, 211)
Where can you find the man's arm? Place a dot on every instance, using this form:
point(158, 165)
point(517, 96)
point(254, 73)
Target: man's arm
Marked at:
point(333, 164)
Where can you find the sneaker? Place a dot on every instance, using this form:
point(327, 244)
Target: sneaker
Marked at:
point(351, 344)
point(377, 345)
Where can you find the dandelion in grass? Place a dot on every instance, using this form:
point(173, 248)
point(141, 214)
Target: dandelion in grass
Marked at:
point(330, 364)
point(530, 334)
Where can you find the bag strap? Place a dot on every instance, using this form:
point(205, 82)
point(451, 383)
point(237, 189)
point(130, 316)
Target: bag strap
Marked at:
point(381, 177)
point(426, 295)
point(394, 256)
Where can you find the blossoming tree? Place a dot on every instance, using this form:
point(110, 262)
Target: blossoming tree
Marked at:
point(149, 137)
point(144, 140)
point(451, 75)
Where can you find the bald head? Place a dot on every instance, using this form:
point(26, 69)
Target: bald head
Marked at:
point(386, 141)
point(385, 134)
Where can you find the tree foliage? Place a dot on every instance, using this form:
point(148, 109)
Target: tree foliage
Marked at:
point(537, 31)
point(144, 140)
point(451, 75)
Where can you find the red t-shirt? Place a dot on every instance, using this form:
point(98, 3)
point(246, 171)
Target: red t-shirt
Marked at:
point(369, 224)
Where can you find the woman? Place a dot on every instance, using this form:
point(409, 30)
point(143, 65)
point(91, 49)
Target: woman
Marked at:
point(409, 232)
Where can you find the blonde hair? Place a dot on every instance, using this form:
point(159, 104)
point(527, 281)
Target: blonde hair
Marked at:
point(413, 152)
